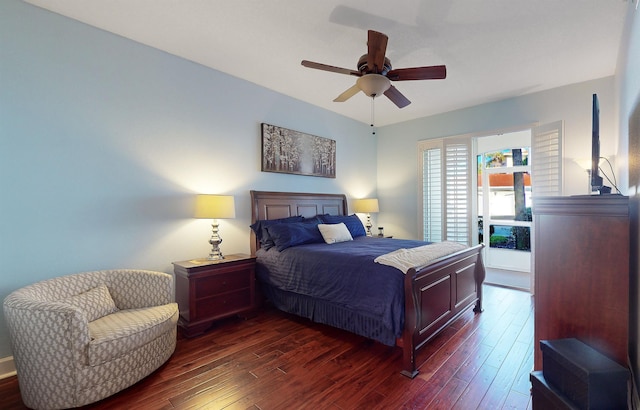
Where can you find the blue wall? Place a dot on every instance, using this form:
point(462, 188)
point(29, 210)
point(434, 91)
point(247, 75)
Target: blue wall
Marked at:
point(104, 142)
point(397, 144)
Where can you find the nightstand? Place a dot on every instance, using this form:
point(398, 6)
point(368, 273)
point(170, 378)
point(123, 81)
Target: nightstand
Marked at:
point(210, 290)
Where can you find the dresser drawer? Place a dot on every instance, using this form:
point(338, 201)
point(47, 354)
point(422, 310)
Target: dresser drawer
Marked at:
point(222, 283)
point(224, 305)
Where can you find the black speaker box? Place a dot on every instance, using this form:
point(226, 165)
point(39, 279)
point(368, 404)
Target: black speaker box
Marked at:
point(587, 378)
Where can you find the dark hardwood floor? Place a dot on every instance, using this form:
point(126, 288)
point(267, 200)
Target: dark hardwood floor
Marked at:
point(277, 361)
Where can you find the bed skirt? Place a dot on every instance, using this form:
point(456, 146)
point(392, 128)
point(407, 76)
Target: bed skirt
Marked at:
point(320, 311)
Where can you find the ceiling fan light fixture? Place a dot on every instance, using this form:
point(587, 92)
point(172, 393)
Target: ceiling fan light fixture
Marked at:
point(375, 73)
point(373, 85)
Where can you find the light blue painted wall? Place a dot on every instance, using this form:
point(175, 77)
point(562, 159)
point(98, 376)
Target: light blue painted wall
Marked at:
point(397, 144)
point(104, 142)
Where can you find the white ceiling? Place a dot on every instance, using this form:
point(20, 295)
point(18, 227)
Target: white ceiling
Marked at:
point(493, 49)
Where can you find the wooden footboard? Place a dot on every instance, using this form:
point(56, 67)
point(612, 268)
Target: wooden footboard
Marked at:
point(436, 295)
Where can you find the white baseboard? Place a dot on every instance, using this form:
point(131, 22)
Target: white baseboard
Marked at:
point(7, 367)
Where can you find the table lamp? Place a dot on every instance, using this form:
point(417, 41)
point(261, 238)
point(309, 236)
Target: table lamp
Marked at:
point(215, 207)
point(366, 206)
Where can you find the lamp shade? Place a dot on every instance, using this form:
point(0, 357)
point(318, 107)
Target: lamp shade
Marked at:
point(584, 163)
point(366, 206)
point(215, 207)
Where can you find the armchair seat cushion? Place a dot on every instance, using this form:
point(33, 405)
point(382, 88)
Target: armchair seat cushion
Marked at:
point(119, 333)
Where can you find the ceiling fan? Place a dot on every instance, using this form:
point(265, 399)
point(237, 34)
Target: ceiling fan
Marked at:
point(375, 73)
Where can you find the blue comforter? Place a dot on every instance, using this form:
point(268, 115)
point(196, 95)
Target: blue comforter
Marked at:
point(343, 274)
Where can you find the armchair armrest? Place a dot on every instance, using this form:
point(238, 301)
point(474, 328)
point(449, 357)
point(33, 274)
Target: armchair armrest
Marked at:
point(51, 332)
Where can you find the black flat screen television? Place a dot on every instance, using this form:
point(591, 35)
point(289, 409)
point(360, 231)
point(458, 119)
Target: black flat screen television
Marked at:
point(597, 185)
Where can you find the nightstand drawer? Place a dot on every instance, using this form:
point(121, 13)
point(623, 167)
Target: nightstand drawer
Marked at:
point(222, 283)
point(223, 305)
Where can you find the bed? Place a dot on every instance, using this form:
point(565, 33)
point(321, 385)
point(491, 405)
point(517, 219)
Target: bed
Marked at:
point(374, 300)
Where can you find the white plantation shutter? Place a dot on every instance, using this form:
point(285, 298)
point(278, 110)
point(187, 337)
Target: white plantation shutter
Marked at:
point(432, 194)
point(546, 159)
point(457, 190)
point(445, 166)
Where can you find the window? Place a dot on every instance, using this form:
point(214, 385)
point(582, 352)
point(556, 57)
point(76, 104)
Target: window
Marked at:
point(446, 191)
point(445, 172)
point(546, 169)
point(504, 197)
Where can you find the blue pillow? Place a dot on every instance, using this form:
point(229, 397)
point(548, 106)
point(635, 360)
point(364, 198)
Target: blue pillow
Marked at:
point(292, 234)
point(353, 223)
point(260, 229)
point(313, 219)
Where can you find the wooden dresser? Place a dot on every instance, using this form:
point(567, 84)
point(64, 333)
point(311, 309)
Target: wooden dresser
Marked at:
point(582, 272)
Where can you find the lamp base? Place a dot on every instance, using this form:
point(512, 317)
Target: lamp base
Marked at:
point(215, 256)
point(215, 242)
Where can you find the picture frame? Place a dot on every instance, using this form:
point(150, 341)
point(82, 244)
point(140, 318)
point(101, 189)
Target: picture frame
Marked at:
point(293, 152)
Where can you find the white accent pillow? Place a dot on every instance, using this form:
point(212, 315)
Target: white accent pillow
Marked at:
point(94, 303)
point(334, 233)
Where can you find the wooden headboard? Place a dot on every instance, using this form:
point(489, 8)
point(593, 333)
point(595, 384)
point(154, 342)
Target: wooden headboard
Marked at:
point(276, 205)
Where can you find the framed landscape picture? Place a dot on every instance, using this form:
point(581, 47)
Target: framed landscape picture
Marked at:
point(294, 152)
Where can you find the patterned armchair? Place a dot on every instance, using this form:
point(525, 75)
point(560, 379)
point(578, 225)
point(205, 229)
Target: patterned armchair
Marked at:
point(77, 339)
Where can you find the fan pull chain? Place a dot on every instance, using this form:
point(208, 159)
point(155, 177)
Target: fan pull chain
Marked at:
point(373, 130)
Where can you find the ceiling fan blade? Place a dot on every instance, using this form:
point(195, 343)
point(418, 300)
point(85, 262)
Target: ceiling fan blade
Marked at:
point(435, 72)
point(348, 94)
point(325, 67)
point(377, 46)
point(397, 97)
